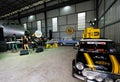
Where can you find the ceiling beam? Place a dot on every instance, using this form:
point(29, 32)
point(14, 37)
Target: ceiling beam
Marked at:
point(48, 8)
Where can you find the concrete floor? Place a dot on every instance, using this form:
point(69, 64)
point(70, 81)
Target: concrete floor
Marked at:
point(52, 65)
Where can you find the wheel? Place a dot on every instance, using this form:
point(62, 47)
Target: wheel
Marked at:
point(61, 44)
point(76, 44)
point(73, 67)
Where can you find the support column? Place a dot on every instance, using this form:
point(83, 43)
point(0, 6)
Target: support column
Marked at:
point(45, 15)
point(19, 18)
point(97, 11)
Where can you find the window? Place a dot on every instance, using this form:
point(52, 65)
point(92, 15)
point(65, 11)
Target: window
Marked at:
point(54, 24)
point(25, 26)
point(39, 25)
point(81, 21)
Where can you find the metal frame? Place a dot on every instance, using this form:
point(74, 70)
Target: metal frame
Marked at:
point(59, 5)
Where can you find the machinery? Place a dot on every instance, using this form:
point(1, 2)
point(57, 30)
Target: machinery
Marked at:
point(91, 32)
point(11, 27)
point(7, 29)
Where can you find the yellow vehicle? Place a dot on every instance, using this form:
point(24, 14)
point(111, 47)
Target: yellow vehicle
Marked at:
point(91, 32)
point(97, 60)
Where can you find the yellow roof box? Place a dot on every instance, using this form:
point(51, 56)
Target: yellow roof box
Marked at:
point(91, 32)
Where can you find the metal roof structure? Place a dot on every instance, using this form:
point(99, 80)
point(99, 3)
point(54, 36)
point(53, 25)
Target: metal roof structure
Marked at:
point(7, 6)
point(10, 7)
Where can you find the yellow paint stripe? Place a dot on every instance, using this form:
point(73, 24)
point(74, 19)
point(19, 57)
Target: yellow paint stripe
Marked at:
point(89, 61)
point(119, 68)
point(115, 64)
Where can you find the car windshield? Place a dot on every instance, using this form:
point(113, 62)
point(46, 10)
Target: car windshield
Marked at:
point(99, 47)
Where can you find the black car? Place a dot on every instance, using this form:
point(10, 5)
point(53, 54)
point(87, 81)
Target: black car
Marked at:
point(97, 60)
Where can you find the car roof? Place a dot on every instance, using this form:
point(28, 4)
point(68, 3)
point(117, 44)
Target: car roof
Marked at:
point(95, 40)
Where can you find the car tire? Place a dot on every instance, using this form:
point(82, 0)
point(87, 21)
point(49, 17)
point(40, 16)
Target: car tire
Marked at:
point(61, 44)
point(76, 44)
point(73, 68)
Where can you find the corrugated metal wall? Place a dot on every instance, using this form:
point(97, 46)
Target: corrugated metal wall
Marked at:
point(109, 19)
point(66, 18)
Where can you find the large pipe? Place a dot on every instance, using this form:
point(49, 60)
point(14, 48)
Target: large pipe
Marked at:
point(12, 28)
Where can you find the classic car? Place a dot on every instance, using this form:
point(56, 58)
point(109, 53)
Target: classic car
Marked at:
point(68, 42)
point(52, 43)
point(97, 60)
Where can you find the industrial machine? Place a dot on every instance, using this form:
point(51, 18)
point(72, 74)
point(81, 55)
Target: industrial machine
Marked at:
point(12, 27)
point(7, 29)
point(91, 32)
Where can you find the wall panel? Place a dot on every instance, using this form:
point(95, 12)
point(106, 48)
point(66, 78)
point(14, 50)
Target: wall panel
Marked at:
point(112, 18)
point(102, 22)
point(62, 20)
point(79, 35)
point(34, 25)
point(108, 3)
point(43, 23)
point(55, 35)
point(24, 20)
point(39, 16)
point(29, 25)
point(101, 9)
point(49, 22)
point(43, 30)
point(72, 19)
point(53, 13)
point(85, 6)
point(102, 33)
point(90, 15)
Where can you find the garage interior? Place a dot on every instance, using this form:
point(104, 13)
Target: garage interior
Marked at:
point(52, 18)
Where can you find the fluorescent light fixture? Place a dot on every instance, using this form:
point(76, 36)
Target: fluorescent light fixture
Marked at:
point(95, 19)
point(67, 7)
point(31, 18)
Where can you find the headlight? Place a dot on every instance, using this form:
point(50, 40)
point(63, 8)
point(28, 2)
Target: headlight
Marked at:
point(99, 78)
point(93, 75)
point(79, 66)
point(85, 72)
point(108, 80)
point(90, 76)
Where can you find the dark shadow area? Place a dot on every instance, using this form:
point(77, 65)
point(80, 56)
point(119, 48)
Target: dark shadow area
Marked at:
point(118, 48)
